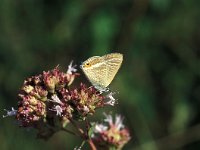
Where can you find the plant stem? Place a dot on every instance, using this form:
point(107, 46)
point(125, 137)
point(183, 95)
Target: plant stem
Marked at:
point(82, 144)
point(93, 147)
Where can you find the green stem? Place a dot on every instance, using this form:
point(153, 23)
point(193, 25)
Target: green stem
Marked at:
point(82, 144)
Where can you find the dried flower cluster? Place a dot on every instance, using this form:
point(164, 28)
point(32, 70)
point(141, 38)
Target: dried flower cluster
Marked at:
point(48, 102)
point(110, 133)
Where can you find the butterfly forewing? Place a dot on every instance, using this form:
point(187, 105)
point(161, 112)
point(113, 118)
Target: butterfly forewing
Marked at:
point(97, 70)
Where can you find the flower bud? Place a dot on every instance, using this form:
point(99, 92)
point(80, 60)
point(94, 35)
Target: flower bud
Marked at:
point(27, 88)
point(50, 82)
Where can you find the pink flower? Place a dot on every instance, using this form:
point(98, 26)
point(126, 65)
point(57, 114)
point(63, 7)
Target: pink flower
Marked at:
point(111, 133)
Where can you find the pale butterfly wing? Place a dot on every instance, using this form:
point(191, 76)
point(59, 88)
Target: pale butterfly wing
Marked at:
point(96, 72)
point(113, 62)
point(103, 69)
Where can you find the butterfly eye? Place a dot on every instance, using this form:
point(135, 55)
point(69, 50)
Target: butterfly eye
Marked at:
point(87, 64)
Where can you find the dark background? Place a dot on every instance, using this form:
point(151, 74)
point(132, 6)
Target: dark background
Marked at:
point(158, 84)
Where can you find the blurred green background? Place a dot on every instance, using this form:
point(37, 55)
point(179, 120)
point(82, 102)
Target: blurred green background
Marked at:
point(158, 84)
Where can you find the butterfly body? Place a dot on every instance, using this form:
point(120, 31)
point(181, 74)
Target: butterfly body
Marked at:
point(101, 70)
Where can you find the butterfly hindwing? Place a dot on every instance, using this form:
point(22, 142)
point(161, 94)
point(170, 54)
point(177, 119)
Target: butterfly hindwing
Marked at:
point(113, 62)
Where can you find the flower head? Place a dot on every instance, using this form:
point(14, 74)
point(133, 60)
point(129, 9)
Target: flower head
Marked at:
point(30, 110)
point(41, 100)
point(111, 133)
point(84, 101)
point(46, 102)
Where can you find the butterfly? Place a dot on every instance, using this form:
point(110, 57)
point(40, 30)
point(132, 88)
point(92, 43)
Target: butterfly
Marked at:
point(101, 70)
